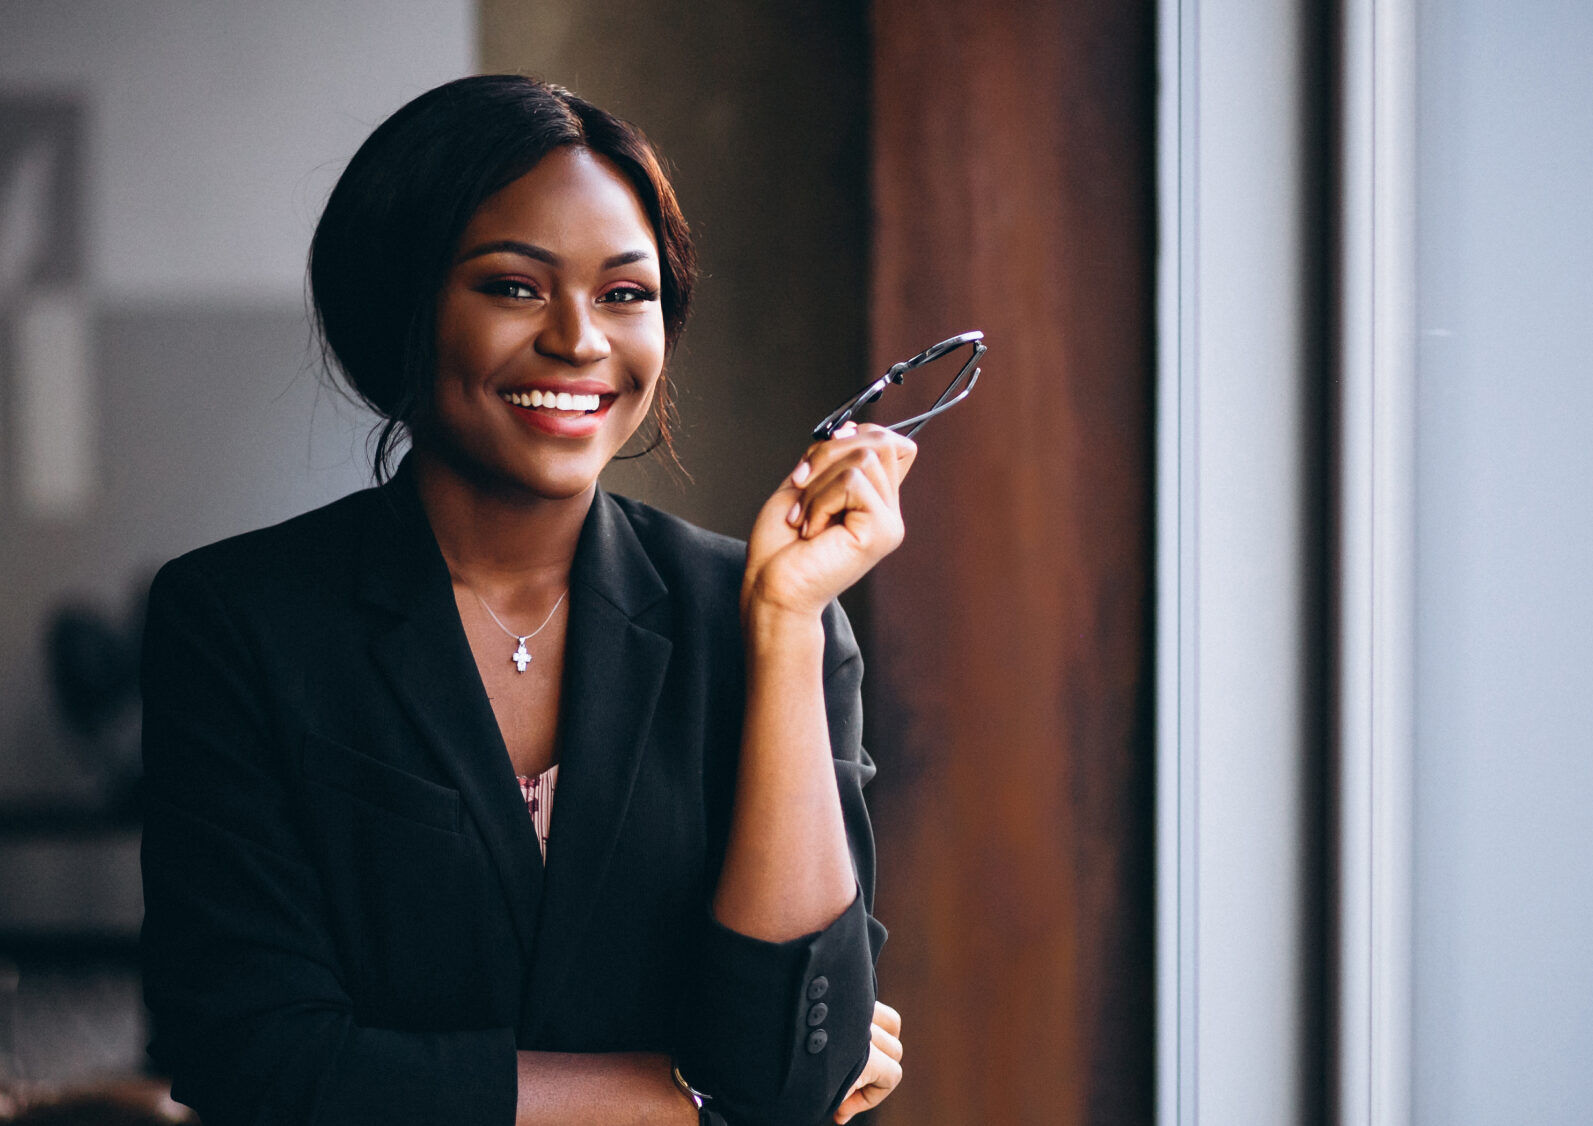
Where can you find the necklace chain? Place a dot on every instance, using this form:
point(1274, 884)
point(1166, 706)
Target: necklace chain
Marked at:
point(522, 656)
point(499, 621)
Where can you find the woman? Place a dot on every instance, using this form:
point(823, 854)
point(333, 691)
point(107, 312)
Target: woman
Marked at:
point(350, 914)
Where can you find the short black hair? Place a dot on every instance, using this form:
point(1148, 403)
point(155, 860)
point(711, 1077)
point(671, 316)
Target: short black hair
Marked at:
point(386, 240)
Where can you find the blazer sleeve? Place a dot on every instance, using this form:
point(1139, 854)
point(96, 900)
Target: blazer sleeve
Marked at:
point(777, 1032)
point(249, 1014)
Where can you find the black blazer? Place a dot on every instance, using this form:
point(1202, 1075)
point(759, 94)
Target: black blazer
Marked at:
point(347, 918)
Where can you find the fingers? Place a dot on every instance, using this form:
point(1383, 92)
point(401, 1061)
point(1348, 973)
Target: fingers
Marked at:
point(831, 480)
point(847, 485)
point(880, 1077)
point(894, 453)
point(850, 499)
point(834, 474)
point(886, 1042)
point(883, 1072)
point(894, 449)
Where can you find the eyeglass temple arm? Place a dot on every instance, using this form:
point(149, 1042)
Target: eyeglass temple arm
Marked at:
point(944, 403)
point(839, 417)
point(934, 352)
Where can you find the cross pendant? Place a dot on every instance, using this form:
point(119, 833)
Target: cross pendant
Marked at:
point(521, 657)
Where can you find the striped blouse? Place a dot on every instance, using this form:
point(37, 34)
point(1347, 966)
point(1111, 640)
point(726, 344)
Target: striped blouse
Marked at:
point(538, 795)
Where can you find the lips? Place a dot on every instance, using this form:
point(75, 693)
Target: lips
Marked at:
point(570, 412)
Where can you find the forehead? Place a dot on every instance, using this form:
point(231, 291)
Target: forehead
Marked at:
point(574, 200)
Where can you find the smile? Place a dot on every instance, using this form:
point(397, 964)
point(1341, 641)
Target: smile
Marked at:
point(552, 401)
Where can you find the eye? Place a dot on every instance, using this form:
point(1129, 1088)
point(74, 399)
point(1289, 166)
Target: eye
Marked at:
point(514, 288)
point(629, 294)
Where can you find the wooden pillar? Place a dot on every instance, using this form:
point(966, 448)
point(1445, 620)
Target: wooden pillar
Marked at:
point(1013, 154)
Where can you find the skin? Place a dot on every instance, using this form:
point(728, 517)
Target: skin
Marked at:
point(575, 302)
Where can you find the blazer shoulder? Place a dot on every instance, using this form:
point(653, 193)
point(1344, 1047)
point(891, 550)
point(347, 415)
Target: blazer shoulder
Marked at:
point(310, 547)
point(684, 553)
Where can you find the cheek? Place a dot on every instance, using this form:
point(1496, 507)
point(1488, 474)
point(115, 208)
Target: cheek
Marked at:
point(647, 351)
point(471, 347)
point(453, 344)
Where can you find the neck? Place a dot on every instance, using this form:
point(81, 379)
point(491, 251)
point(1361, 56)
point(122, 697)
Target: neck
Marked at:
point(499, 540)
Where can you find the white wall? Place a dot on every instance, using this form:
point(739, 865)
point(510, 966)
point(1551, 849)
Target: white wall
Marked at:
point(213, 132)
point(218, 126)
point(1504, 759)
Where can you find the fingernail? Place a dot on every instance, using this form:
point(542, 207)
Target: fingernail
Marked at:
point(796, 512)
point(800, 473)
point(804, 532)
point(846, 430)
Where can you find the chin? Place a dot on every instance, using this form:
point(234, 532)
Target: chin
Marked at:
point(546, 486)
point(535, 476)
point(511, 473)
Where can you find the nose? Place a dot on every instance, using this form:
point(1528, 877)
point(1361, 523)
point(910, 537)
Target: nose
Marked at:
point(571, 333)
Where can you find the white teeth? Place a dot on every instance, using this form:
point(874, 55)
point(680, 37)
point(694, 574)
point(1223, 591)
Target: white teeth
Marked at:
point(549, 400)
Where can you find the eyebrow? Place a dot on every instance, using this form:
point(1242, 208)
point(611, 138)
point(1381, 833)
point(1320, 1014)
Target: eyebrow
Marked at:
point(542, 254)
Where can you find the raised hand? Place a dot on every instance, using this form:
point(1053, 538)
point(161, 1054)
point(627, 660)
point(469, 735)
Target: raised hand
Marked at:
point(829, 522)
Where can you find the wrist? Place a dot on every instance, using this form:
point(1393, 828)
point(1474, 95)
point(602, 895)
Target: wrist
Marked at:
point(771, 629)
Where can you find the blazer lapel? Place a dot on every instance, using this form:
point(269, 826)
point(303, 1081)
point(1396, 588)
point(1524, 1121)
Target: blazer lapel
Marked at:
point(426, 658)
point(616, 657)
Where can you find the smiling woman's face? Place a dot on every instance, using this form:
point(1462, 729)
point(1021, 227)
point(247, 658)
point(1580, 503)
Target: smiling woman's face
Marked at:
point(554, 292)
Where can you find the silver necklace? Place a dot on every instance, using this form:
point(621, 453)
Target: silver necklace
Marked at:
point(522, 656)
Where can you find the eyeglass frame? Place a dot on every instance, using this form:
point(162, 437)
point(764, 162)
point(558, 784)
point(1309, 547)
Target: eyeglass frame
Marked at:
point(843, 414)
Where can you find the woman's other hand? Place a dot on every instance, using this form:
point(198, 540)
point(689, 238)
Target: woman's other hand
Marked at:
point(829, 522)
point(884, 1068)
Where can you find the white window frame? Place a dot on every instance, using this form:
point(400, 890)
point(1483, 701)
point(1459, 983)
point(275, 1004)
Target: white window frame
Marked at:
point(1224, 805)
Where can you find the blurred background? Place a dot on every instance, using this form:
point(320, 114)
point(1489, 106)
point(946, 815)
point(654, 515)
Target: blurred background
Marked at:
point(161, 166)
point(1231, 692)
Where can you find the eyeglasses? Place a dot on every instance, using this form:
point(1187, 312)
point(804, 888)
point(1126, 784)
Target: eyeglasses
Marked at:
point(956, 391)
